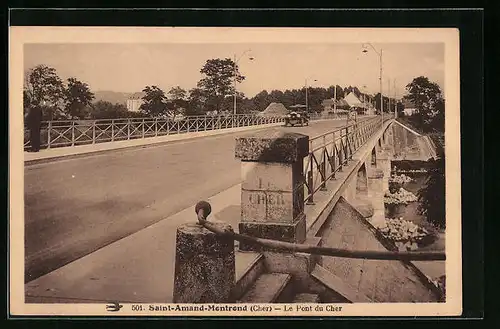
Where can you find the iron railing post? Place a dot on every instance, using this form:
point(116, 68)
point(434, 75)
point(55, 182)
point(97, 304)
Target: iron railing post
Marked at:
point(72, 133)
point(332, 158)
point(323, 172)
point(49, 133)
point(346, 147)
point(310, 181)
point(323, 165)
point(340, 151)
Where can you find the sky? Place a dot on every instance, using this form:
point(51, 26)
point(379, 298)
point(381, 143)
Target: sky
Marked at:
point(130, 67)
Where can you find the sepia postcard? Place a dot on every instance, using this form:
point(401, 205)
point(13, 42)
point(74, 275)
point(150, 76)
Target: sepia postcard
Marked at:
point(202, 171)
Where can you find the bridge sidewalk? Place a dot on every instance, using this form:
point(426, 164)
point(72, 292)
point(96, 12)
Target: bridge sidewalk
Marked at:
point(137, 268)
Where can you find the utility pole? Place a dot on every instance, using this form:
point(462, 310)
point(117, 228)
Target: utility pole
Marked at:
point(396, 105)
point(235, 62)
point(234, 79)
point(335, 99)
point(307, 96)
point(380, 77)
point(307, 104)
point(381, 97)
point(389, 94)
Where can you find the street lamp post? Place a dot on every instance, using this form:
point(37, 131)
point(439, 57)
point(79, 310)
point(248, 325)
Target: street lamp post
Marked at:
point(335, 100)
point(235, 62)
point(395, 100)
point(389, 94)
point(380, 77)
point(307, 97)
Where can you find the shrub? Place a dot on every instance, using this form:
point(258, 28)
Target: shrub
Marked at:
point(432, 195)
point(401, 179)
point(405, 233)
point(401, 197)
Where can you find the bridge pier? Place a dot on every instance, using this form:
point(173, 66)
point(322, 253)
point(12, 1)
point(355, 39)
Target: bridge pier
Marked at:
point(272, 191)
point(376, 194)
point(378, 176)
point(384, 164)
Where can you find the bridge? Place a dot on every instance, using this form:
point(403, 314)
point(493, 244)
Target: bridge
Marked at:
point(101, 225)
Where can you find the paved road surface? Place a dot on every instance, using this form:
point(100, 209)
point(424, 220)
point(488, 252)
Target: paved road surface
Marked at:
point(74, 207)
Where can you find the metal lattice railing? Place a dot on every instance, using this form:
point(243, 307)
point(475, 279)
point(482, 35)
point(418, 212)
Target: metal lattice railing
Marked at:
point(331, 151)
point(81, 132)
point(203, 210)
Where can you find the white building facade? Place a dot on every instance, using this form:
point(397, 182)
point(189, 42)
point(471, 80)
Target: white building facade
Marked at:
point(134, 102)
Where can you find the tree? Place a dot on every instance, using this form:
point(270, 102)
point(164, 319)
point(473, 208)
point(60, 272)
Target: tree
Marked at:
point(177, 93)
point(196, 102)
point(276, 96)
point(377, 102)
point(107, 110)
point(261, 100)
point(43, 88)
point(218, 81)
point(400, 108)
point(340, 92)
point(247, 106)
point(154, 101)
point(177, 102)
point(77, 98)
point(315, 98)
point(432, 196)
point(437, 122)
point(428, 100)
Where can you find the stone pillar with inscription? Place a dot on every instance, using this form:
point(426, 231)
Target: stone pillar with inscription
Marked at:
point(272, 191)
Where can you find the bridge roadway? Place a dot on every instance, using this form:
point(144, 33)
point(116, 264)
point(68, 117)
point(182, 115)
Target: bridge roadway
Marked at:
point(76, 206)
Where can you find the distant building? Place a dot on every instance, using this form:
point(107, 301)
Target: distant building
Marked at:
point(134, 102)
point(359, 106)
point(334, 106)
point(274, 109)
point(409, 108)
point(328, 104)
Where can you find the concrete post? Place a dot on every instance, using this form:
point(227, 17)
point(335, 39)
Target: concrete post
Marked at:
point(272, 191)
point(204, 265)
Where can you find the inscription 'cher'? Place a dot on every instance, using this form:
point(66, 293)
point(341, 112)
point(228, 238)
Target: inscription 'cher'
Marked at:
point(269, 199)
